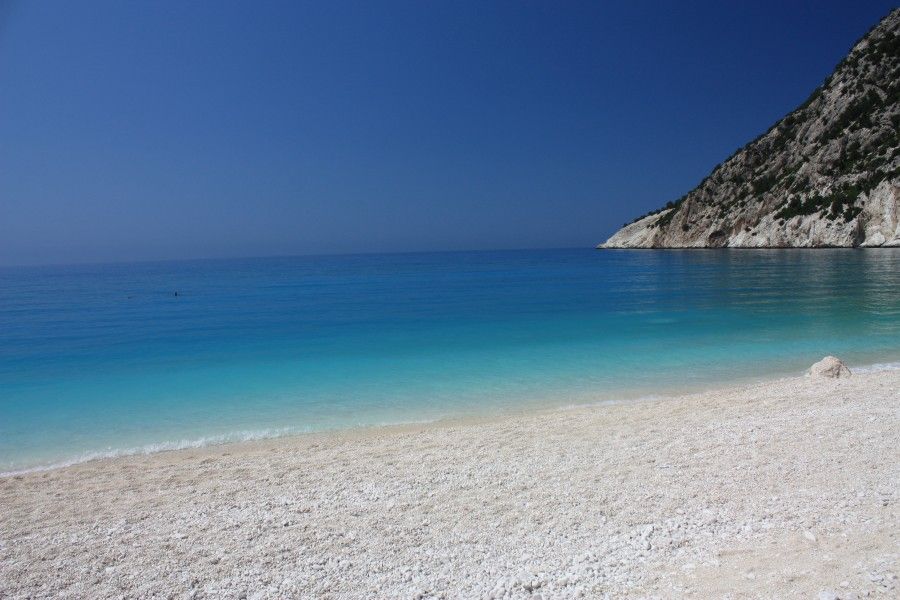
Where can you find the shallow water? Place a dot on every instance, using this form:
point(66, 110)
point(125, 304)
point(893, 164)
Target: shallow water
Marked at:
point(103, 359)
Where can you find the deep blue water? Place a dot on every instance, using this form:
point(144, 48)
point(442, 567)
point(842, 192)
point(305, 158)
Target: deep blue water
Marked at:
point(106, 358)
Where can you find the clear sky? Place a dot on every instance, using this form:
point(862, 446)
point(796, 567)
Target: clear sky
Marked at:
point(154, 130)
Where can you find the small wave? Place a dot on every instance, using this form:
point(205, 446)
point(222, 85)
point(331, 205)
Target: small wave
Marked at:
point(202, 442)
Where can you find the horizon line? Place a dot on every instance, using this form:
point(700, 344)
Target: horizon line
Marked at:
point(273, 256)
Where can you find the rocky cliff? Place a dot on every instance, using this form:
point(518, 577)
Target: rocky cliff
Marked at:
point(827, 174)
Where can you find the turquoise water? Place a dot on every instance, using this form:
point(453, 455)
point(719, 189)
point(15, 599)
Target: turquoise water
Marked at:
point(104, 359)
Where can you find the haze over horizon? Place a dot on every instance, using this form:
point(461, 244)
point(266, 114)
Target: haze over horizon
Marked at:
point(152, 131)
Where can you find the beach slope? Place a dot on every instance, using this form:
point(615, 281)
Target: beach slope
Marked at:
point(781, 489)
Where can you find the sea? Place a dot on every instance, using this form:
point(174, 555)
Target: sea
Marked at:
point(111, 359)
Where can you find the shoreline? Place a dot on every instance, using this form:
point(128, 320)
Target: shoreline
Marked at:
point(242, 437)
point(777, 489)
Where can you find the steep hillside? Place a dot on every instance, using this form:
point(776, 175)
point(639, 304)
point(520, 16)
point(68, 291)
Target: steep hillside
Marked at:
point(827, 174)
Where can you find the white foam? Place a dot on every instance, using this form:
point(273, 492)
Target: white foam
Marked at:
point(203, 442)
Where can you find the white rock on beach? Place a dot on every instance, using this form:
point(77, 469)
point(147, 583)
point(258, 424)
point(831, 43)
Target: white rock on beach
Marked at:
point(830, 367)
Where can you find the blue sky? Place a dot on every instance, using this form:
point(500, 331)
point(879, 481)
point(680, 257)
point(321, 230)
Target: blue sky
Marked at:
point(156, 130)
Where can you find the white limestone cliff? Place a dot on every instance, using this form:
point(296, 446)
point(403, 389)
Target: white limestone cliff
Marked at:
point(827, 174)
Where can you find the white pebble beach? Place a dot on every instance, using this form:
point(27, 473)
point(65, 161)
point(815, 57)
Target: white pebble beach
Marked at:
point(782, 489)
